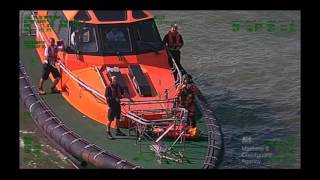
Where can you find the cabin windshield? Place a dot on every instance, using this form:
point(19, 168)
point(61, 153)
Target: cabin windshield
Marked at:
point(114, 39)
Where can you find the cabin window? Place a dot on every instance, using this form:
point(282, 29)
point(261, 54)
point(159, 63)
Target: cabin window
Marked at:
point(116, 39)
point(138, 14)
point(83, 38)
point(111, 15)
point(147, 36)
point(82, 16)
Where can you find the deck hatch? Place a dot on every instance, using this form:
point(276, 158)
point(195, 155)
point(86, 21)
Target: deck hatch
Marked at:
point(113, 72)
point(139, 80)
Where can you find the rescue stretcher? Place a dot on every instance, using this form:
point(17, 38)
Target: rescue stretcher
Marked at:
point(151, 126)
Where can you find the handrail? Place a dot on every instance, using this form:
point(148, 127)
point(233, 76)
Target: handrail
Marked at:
point(146, 102)
point(146, 122)
point(87, 87)
point(176, 67)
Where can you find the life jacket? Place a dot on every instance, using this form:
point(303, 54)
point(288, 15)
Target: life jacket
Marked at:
point(186, 95)
point(174, 39)
point(52, 52)
point(115, 92)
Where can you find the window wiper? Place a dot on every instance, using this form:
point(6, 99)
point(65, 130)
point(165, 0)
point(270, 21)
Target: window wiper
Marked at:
point(150, 44)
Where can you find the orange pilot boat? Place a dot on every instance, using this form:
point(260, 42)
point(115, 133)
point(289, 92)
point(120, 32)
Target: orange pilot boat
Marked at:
point(126, 44)
point(84, 68)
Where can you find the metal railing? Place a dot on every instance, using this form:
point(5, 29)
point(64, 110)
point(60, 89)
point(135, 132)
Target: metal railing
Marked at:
point(82, 84)
point(176, 68)
point(133, 115)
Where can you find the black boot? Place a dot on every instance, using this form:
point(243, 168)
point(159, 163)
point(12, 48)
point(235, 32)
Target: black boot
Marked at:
point(54, 90)
point(109, 135)
point(119, 133)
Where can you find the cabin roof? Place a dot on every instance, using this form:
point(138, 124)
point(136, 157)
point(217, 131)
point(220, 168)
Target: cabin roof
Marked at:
point(107, 17)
